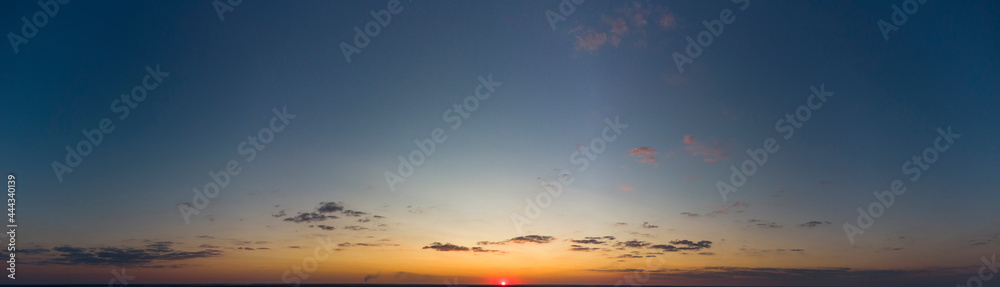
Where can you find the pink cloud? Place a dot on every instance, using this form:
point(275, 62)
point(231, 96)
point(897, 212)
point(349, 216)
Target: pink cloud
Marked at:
point(667, 20)
point(737, 207)
point(626, 187)
point(624, 25)
point(591, 41)
point(712, 153)
point(644, 155)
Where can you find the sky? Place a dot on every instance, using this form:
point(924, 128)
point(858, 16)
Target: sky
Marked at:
point(486, 142)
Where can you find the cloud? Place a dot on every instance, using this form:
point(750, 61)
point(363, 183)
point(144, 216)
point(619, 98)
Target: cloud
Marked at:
point(452, 247)
point(626, 23)
point(804, 276)
point(812, 224)
point(633, 244)
point(397, 275)
point(985, 240)
point(322, 213)
point(683, 245)
point(629, 255)
point(308, 217)
point(626, 187)
point(778, 193)
point(281, 213)
point(620, 223)
point(591, 40)
point(764, 223)
point(348, 244)
point(445, 247)
point(354, 213)
point(33, 251)
point(329, 207)
point(540, 239)
point(582, 248)
point(480, 249)
point(735, 207)
point(325, 227)
point(356, 228)
point(711, 153)
point(667, 20)
point(644, 155)
point(647, 225)
point(625, 270)
point(153, 252)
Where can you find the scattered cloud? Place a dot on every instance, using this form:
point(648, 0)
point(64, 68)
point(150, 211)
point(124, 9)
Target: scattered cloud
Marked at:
point(452, 247)
point(710, 153)
point(644, 155)
point(683, 245)
point(308, 217)
point(324, 212)
point(812, 224)
point(735, 207)
point(647, 225)
point(582, 248)
point(445, 247)
point(540, 239)
point(152, 253)
point(627, 24)
point(33, 251)
point(397, 275)
point(325, 227)
point(329, 207)
point(985, 240)
point(764, 223)
point(626, 187)
point(633, 244)
point(590, 40)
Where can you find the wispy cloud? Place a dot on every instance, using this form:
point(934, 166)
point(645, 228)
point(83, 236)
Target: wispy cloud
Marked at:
point(812, 224)
point(735, 207)
point(540, 239)
point(152, 253)
point(710, 153)
point(644, 155)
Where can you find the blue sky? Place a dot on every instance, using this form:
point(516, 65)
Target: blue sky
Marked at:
point(607, 60)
